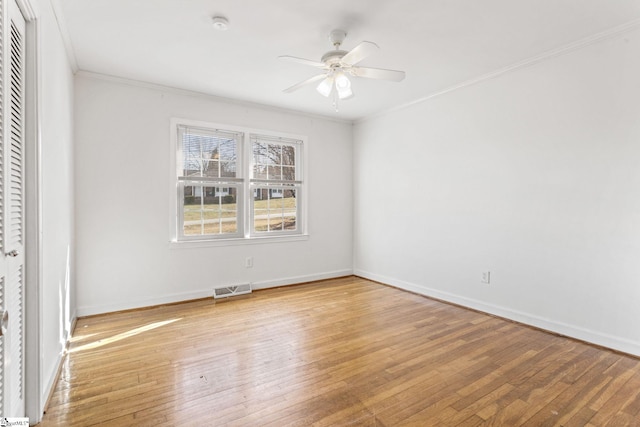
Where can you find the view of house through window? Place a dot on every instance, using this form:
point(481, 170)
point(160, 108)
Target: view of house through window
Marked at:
point(237, 184)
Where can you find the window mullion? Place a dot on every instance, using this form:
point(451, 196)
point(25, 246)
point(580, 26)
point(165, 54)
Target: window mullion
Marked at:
point(219, 202)
point(202, 193)
point(247, 172)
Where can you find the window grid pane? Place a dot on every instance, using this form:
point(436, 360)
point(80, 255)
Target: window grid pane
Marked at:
point(210, 210)
point(274, 161)
point(274, 209)
point(209, 153)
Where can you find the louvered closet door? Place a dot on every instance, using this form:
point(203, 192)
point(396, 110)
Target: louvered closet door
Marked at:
point(12, 76)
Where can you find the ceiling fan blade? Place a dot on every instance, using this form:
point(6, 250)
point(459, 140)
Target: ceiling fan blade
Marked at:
point(359, 52)
point(303, 61)
point(304, 83)
point(377, 73)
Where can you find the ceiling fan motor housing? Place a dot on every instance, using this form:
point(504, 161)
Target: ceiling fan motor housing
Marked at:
point(333, 57)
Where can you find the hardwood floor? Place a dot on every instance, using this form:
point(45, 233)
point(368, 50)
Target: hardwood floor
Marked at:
point(344, 352)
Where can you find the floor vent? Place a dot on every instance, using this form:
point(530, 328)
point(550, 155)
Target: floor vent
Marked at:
point(229, 291)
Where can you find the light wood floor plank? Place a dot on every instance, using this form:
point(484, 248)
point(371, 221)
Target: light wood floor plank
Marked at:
point(342, 352)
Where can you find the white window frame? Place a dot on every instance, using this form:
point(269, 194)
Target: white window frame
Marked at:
point(278, 184)
point(245, 184)
point(202, 182)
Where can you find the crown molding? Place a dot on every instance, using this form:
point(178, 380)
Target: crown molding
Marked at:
point(211, 97)
point(64, 33)
point(559, 51)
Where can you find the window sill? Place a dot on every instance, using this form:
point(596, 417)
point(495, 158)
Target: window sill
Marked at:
point(190, 244)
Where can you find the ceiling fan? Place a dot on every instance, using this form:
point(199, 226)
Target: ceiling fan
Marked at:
point(338, 65)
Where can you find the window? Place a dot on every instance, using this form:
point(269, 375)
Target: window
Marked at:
point(236, 183)
point(208, 183)
point(275, 184)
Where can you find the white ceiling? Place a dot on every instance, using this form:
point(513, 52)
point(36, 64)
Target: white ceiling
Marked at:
point(439, 43)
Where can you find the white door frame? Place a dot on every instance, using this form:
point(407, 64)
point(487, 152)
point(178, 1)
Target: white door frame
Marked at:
point(34, 400)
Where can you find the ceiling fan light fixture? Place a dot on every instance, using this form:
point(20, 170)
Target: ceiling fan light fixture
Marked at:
point(343, 86)
point(326, 86)
point(345, 93)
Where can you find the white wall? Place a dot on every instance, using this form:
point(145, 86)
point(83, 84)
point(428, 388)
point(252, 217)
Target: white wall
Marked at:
point(123, 183)
point(533, 175)
point(56, 288)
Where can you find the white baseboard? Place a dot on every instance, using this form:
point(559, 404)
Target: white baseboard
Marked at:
point(301, 279)
point(52, 379)
point(572, 331)
point(90, 310)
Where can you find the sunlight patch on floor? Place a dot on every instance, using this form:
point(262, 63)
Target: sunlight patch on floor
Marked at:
point(122, 336)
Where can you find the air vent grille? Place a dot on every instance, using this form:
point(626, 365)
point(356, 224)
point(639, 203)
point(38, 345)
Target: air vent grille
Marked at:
point(229, 291)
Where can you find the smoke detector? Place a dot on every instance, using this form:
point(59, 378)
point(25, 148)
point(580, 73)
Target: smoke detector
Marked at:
point(220, 23)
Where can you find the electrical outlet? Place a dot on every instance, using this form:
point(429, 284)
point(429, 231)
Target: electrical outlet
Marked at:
point(248, 262)
point(486, 277)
